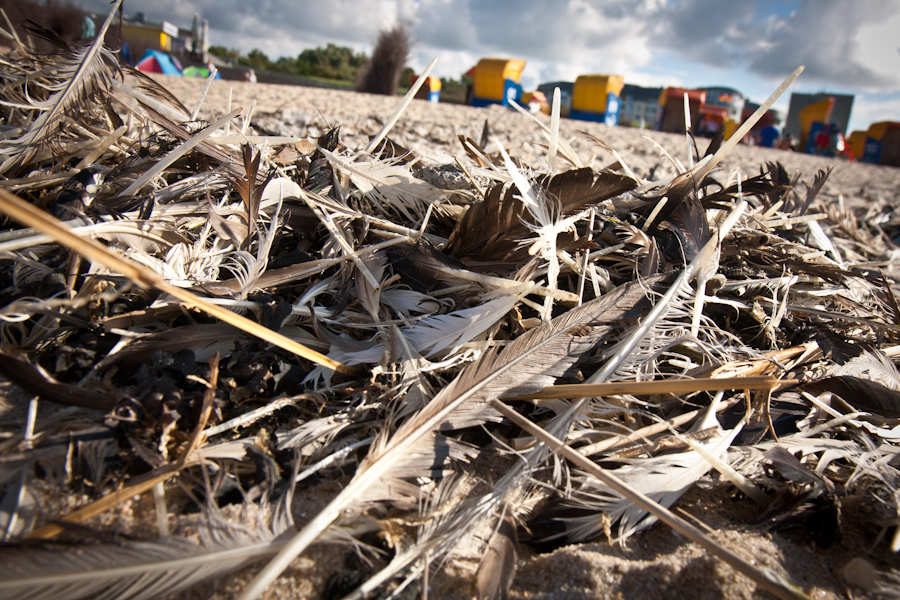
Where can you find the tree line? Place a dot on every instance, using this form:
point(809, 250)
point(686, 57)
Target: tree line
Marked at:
point(331, 62)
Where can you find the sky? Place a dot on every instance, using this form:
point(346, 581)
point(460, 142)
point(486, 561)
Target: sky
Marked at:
point(847, 46)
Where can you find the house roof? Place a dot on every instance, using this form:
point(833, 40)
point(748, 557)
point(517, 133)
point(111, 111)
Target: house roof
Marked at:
point(640, 94)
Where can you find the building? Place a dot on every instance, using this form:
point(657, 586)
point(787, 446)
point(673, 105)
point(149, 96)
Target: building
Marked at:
point(730, 99)
point(840, 111)
point(639, 106)
point(141, 35)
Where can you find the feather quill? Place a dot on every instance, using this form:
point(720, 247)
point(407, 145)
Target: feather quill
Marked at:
point(531, 362)
point(138, 570)
point(664, 479)
point(88, 72)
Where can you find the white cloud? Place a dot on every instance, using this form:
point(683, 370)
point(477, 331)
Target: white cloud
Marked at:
point(653, 80)
point(878, 47)
point(872, 108)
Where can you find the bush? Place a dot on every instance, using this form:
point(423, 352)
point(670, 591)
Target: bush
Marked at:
point(381, 75)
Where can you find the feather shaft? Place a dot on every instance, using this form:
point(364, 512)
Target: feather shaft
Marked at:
point(373, 143)
point(766, 579)
point(738, 135)
point(539, 355)
point(664, 386)
point(32, 216)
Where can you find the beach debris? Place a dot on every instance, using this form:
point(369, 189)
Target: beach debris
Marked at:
point(459, 358)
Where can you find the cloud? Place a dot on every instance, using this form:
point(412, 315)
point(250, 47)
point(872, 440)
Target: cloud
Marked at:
point(846, 45)
point(832, 38)
point(277, 27)
point(872, 108)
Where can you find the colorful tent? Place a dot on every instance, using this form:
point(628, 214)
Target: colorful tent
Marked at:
point(193, 71)
point(158, 62)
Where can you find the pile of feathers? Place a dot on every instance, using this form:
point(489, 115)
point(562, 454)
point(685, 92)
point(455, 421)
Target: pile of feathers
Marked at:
point(196, 313)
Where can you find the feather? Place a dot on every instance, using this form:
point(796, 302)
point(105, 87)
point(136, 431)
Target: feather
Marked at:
point(249, 190)
point(445, 514)
point(395, 184)
point(204, 340)
point(247, 268)
point(862, 394)
point(444, 334)
point(406, 302)
point(367, 294)
point(430, 336)
point(657, 481)
point(664, 479)
point(33, 379)
point(548, 225)
point(800, 208)
point(531, 362)
point(498, 567)
point(765, 578)
point(132, 571)
point(493, 228)
point(34, 217)
point(82, 75)
point(874, 366)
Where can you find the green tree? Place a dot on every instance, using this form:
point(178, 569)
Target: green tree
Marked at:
point(257, 60)
point(330, 62)
point(230, 54)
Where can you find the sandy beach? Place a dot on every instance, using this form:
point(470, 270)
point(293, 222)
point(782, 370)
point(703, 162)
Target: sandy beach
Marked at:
point(431, 131)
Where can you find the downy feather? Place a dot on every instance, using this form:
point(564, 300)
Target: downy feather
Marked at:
point(531, 362)
point(382, 180)
point(81, 76)
point(143, 570)
point(663, 478)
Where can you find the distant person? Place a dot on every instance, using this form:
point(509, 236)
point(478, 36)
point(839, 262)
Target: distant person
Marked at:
point(788, 142)
point(769, 136)
point(125, 55)
point(836, 143)
point(88, 28)
point(822, 141)
point(250, 76)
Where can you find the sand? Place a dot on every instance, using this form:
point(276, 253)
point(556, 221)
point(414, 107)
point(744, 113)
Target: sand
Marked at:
point(657, 563)
point(431, 131)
